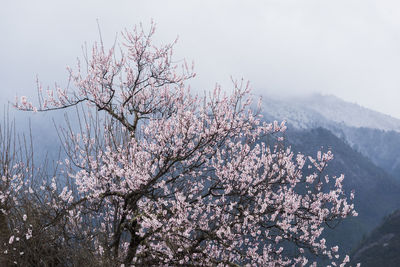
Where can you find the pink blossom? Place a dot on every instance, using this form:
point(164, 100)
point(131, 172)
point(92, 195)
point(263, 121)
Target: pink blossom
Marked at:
point(170, 173)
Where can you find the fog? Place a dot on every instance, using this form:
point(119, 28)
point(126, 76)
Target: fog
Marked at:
point(349, 48)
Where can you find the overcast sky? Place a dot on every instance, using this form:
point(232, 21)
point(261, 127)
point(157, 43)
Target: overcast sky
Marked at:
point(349, 48)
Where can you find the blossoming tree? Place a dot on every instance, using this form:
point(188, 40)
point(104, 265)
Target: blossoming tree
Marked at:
point(175, 178)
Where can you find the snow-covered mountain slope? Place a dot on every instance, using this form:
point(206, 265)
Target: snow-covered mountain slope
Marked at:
point(322, 110)
point(375, 135)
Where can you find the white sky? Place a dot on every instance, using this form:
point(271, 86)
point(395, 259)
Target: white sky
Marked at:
point(349, 48)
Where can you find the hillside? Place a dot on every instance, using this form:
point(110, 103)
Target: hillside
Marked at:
point(382, 246)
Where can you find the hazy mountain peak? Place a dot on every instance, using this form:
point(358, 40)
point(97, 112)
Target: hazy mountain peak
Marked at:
point(319, 110)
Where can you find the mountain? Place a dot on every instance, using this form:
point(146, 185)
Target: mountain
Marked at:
point(381, 146)
point(309, 111)
point(375, 135)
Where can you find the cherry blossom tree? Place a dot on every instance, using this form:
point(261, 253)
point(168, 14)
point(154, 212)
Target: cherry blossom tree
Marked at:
point(169, 177)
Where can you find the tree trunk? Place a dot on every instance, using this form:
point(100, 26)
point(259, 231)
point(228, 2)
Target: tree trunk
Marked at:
point(4, 236)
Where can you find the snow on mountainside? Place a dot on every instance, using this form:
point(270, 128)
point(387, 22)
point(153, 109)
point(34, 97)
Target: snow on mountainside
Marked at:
point(323, 110)
point(375, 135)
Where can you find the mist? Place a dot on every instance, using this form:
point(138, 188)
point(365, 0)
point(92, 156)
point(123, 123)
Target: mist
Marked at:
point(345, 48)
